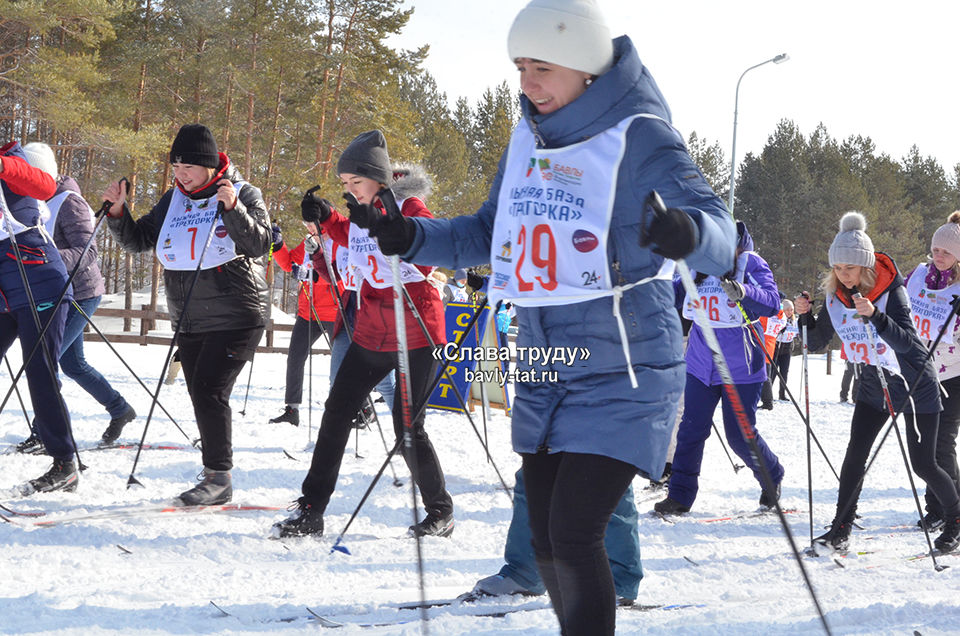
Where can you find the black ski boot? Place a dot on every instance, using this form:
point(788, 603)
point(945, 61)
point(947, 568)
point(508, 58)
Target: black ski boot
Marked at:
point(115, 427)
point(61, 476)
point(950, 538)
point(932, 520)
point(215, 488)
point(290, 415)
point(768, 500)
point(670, 507)
point(306, 520)
point(837, 537)
point(32, 445)
point(433, 525)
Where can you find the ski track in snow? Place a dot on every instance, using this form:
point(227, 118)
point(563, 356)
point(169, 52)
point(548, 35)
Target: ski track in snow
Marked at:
point(77, 578)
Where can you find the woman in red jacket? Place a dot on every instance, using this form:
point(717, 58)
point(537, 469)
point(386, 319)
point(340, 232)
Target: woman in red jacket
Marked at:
point(310, 323)
point(365, 170)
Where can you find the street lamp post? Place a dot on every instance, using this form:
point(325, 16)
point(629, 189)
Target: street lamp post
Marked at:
point(783, 57)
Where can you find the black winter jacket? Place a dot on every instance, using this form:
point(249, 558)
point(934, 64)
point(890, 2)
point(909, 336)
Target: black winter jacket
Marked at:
point(231, 296)
point(895, 326)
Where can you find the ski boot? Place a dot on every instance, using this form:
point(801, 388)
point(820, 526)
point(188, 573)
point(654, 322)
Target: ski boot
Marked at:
point(433, 525)
point(61, 476)
point(215, 488)
point(670, 507)
point(290, 415)
point(115, 427)
point(305, 521)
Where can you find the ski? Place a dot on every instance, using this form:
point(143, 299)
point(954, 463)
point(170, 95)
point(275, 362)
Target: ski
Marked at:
point(137, 511)
point(99, 447)
point(335, 623)
point(749, 515)
point(20, 513)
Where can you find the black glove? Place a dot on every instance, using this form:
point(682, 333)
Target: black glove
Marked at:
point(276, 237)
point(671, 229)
point(732, 289)
point(474, 280)
point(313, 207)
point(310, 244)
point(394, 232)
point(361, 214)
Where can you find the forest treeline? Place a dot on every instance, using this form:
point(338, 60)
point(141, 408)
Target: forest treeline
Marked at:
point(286, 84)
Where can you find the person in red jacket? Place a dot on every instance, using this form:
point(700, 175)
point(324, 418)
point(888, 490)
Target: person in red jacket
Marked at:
point(365, 171)
point(310, 324)
point(37, 279)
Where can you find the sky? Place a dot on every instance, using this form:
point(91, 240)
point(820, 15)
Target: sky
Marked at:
point(882, 70)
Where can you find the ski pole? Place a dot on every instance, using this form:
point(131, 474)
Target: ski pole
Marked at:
point(49, 360)
point(23, 407)
point(132, 372)
point(456, 391)
point(654, 201)
point(806, 394)
point(338, 299)
point(893, 423)
point(243, 411)
point(131, 480)
point(806, 419)
point(736, 466)
point(406, 399)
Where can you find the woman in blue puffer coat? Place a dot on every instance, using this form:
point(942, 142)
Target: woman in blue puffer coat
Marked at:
point(561, 228)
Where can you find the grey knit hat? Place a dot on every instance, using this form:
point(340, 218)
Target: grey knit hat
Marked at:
point(367, 156)
point(852, 246)
point(947, 236)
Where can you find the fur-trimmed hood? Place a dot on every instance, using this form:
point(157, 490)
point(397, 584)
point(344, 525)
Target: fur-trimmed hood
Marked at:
point(411, 180)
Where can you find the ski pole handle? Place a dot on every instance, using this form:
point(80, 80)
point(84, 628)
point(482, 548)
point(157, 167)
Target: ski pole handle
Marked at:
point(105, 207)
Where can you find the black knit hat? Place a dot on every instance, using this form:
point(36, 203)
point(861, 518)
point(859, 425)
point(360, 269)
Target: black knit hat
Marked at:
point(367, 156)
point(195, 145)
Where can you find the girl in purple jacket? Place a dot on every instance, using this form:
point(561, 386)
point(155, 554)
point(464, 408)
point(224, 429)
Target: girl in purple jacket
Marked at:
point(751, 286)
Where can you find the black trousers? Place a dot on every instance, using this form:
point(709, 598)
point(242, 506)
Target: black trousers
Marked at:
point(947, 442)
point(359, 372)
point(864, 428)
point(211, 363)
point(781, 358)
point(305, 333)
point(570, 498)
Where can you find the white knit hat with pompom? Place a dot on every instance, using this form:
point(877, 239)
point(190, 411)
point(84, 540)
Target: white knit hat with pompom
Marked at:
point(852, 246)
point(947, 236)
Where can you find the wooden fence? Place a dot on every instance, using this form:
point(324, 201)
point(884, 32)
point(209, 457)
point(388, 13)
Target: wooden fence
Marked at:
point(147, 330)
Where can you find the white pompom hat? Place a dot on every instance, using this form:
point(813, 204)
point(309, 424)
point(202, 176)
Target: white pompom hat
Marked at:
point(571, 33)
point(852, 245)
point(947, 236)
point(40, 155)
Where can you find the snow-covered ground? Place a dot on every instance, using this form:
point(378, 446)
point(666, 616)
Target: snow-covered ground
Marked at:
point(740, 574)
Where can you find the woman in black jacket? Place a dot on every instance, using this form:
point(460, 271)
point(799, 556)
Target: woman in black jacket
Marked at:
point(226, 314)
point(864, 291)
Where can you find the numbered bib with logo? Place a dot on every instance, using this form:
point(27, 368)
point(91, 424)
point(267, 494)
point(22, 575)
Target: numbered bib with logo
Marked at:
point(930, 307)
point(853, 335)
point(371, 265)
point(721, 311)
point(788, 333)
point(341, 258)
point(549, 241)
point(775, 325)
point(185, 230)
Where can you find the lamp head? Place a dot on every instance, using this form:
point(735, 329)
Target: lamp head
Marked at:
point(780, 59)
